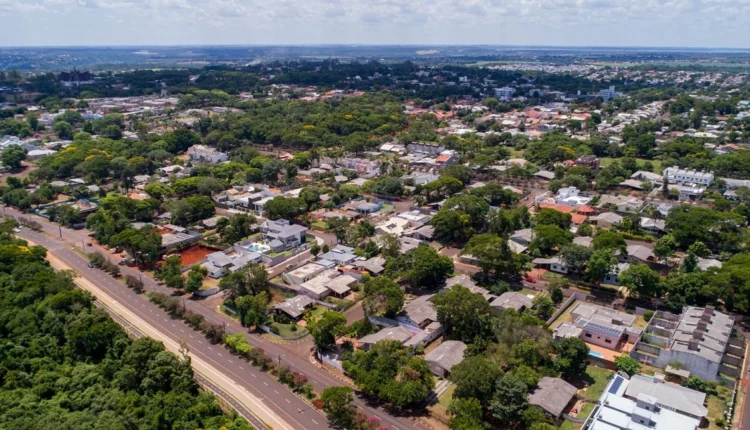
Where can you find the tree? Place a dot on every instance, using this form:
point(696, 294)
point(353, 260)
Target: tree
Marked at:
point(494, 255)
point(315, 249)
point(63, 130)
point(576, 257)
point(641, 280)
point(509, 400)
point(284, 208)
point(464, 315)
point(390, 245)
point(391, 373)
point(195, 278)
point(547, 238)
point(700, 249)
point(251, 279)
point(252, 309)
point(422, 267)
point(556, 293)
point(601, 263)
point(608, 239)
point(665, 246)
point(572, 357)
point(452, 225)
point(325, 330)
point(552, 217)
point(382, 297)
point(12, 156)
point(544, 306)
point(627, 364)
point(475, 377)
point(338, 404)
point(466, 414)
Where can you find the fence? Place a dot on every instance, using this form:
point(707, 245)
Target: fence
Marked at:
point(566, 305)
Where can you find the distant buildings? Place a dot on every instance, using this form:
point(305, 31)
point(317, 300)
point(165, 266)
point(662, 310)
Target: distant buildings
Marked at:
point(676, 175)
point(505, 93)
point(609, 94)
point(205, 154)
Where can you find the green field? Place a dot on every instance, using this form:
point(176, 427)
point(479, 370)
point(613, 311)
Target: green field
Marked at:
point(597, 379)
point(606, 161)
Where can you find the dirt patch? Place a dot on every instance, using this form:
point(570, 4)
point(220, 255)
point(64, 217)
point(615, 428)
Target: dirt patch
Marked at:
point(194, 253)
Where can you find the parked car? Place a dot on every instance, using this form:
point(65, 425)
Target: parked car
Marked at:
point(91, 265)
point(529, 279)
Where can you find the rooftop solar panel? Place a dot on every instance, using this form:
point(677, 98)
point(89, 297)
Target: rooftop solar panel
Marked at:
point(616, 384)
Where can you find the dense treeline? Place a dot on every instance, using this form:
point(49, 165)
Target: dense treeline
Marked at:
point(66, 364)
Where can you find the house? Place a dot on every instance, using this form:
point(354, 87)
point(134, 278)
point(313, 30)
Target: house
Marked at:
point(590, 161)
point(511, 300)
point(604, 327)
point(36, 154)
point(676, 175)
point(554, 264)
point(544, 175)
point(571, 196)
point(394, 225)
point(169, 170)
point(647, 403)
point(219, 264)
point(701, 339)
point(339, 255)
point(606, 219)
point(419, 312)
point(583, 241)
point(446, 158)
point(613, 277)
point(442, 359)
point(303, 274)
point(425, 233)
point(652, 225)
point(205, 154)
point(397, 333)
point(374, 266)
point(281, 235)
point(553, 395)
point(637, 254)
point(316, 287)
point(523, 237)
point(295, 307)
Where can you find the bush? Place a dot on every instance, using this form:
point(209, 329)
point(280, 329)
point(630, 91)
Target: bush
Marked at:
point(698, 384)
point(275, 330)
point(648, 315)
point(193, 320)
point(293, 328)
point(213, 332)
point(720, 422)
point(134, 283)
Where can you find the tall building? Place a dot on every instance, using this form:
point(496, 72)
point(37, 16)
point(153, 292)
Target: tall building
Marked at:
point(504, 93)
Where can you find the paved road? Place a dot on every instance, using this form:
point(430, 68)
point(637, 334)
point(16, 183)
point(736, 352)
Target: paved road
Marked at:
point(295, 355)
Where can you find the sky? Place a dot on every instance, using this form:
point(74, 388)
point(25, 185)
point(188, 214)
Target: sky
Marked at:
point(678, 23)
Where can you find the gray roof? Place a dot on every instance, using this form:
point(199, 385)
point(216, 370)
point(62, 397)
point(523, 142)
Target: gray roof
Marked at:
point(566, 330)
point(641, 252)
point(602, 315)
point(609, 217)
point(712, 341)
point(552, 395)
point(583, 241)
point(671, 395)
point(420, 309)
point(447, 355)
point(512, 300)
point(340, 254)
point(397, 333)
point(545, 174)
point(374, 265)
point(295, 306)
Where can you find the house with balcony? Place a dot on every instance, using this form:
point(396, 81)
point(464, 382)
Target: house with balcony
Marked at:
point(281, 235)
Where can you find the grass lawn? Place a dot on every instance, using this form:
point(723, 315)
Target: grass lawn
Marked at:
point(597, 379)
point(640, 321)
point(447, 396)
point(606, 161)
point(285, 330)
point(528, 292)
point(321, 225)
point(586, 410)
point(569, 425)
point(565, 316)
point(716, 407)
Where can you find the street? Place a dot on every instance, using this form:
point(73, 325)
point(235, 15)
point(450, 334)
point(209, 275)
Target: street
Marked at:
point(296, 355)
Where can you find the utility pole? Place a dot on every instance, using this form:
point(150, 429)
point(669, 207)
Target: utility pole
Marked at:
point(59, 229)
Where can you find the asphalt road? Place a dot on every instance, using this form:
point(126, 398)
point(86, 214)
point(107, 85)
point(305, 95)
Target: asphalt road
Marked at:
point(296, 355)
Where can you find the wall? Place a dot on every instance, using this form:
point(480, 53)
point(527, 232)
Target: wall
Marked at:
point(600, 339)
point(566, 304)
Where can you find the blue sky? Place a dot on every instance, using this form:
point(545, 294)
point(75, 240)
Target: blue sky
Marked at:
point(698, 23)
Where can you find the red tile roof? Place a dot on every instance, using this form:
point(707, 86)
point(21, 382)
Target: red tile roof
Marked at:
point(559, 208)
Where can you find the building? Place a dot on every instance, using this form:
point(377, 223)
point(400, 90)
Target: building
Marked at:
point(219, 264)
point(205, 154)
point(511, 300)
point(554, 264)
point(397, 333)
point(419, 312)
point(295, 307)
point(523, 237)
point(590, 161)
point(303, 274)
point(647, 403)
point(606, 219)
point(676, 175)
point(448, 354)
point(701, 339)
point(609, 94)
point(571, 196)
point(505, 93)
point(604, 327)
point(339, 255)
point(553, 395)
point(281, 235)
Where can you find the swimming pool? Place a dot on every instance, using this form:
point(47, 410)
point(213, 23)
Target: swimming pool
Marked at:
point(596, 354)
point(258, 247)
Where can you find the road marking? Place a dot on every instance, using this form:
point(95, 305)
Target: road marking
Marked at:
point(174, 326)
point(265, 383)
point(276, 392)
point(316, 423)
point(253, 375)
point(242, 368)
point(287, 400)
point(231, 361)
point(191, 336)
point(182, 330)
point(219, 354)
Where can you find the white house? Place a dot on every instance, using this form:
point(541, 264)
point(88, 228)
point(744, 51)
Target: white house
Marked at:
point(205, 154)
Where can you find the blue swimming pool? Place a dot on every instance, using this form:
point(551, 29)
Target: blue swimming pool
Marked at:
point(596, 354)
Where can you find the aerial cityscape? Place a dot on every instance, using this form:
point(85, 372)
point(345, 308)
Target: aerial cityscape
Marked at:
point(385, 215)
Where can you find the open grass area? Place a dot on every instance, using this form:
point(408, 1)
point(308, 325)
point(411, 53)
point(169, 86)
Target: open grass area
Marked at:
point(285, 330)
point(321, 225)
point(569, 425)
point(565, 316)
point(606, 161)
point(640, 321)
point(586, 410)
point(597, 379)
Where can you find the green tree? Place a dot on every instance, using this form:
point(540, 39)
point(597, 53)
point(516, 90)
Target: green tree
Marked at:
point(325, 330)
point(338, 404)
point(576, 257)
point(553, 217)
point(665, 246)
point(602, 262)
point(547, 238)
point(284, 208)
point(382, 297)
point(475, 378)
point(627, 364)
point(252, 309)
point(494, 255)
point(544, 307)
point(572, 356)
point(464, 315)
point(466, 414)
point(195, 278)
point(608, 239)
point(509, 399)
point(12, 156)
point(63, 130)
point(422, 267)
point(641, 280)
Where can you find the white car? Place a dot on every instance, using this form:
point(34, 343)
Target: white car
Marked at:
point(17, 229)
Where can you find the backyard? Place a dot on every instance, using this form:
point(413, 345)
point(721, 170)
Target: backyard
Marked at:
point(565, 316)
point(596, 379)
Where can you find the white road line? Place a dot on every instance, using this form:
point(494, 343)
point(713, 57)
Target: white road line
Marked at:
point(316, 423)
point(219, 354)
point(191, 336)
point(287, 400)
point(253, 375)
point(265, 383)
point(231, 361)
point(242, 368)
point(276, 392)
